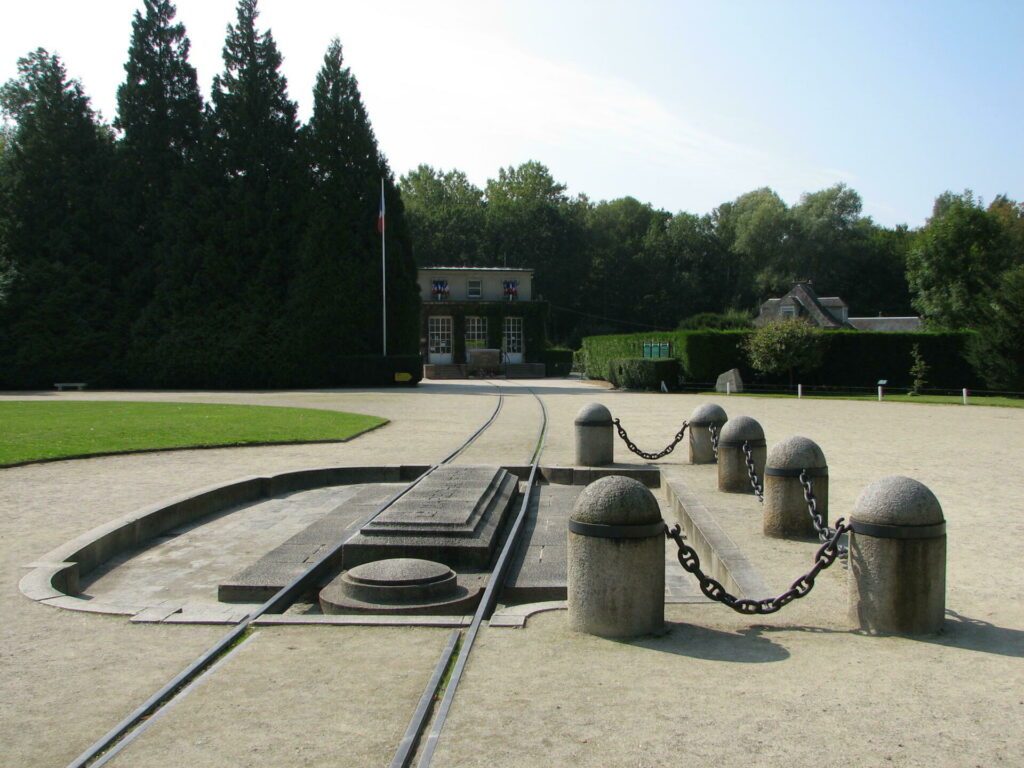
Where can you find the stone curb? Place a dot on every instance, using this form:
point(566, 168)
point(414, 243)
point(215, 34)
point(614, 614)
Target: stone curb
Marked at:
point(720, 556)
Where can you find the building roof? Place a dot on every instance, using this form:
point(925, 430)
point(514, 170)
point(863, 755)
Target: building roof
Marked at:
point(476, 269)
point(804, 293)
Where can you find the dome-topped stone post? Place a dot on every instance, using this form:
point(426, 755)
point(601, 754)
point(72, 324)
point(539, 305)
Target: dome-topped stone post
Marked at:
point(595, 441)
point(732, 466)
point(615, 565)
point(786, 513)
point(897, 559)
point(702, 421)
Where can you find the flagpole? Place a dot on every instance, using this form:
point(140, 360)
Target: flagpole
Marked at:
point(383, 269)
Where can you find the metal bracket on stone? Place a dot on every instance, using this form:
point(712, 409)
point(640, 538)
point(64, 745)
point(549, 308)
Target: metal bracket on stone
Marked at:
point(899, 531)
point(601, 531)
point(810, 472)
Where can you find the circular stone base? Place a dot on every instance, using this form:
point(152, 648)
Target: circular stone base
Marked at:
point(398, 585)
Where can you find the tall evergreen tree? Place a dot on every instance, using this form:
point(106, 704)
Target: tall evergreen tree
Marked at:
point(336, 300)
point(159, 107)
point(55, 325)
point(160, 113)
point(244, 223)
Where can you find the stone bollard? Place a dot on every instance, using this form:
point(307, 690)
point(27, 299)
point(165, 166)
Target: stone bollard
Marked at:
point(785, 509)
point(616, 560)
point(732, 466)
point(702, 418)
point(897, 559)
point(595, 441)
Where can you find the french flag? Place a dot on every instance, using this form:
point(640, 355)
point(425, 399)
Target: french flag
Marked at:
point(380, 216)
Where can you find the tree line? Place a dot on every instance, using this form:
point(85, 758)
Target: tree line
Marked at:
point(622, 265)
point(217, 244)
point(223, 243)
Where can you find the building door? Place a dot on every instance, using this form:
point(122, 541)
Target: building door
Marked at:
point(439, 339)
point(512, 340)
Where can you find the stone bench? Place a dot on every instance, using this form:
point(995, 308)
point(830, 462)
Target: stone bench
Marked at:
point(74, 385)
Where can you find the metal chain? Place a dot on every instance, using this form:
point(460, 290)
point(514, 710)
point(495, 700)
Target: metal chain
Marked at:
point(651, 456)
point(713, 589)
point(713, 431)
point(817, 519)
point(748, 456)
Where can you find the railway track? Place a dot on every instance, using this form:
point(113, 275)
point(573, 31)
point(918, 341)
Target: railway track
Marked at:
point(111, 743)
point(407, 750)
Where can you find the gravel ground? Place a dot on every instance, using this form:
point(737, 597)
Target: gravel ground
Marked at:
point(781, 691)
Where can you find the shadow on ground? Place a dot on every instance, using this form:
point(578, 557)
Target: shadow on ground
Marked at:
point(745, 646)
point(961, 631)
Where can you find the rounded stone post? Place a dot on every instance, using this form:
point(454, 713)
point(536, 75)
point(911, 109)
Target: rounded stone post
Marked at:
point(616, 560)
point(732, 466)
point(785, 509)
point(701, 420)
point(595, 441)
point(897, 559)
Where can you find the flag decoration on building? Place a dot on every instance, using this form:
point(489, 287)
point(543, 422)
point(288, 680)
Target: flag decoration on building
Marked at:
point(439, 288)
point(510, 288)
point(380, 215)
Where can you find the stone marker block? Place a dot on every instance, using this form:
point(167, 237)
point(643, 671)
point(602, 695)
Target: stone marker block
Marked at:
point(453, 516)
point(732, 378)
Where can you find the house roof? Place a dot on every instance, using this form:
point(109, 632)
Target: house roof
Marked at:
point(808, 299)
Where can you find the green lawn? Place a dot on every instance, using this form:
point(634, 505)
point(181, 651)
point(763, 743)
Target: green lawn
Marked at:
point(30, 431)
point(999, 402)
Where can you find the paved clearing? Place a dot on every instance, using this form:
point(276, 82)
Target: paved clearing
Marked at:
point(797, 688)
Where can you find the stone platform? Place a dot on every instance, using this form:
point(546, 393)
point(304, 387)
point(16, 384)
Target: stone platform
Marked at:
point(276, 569)
point(454, 516)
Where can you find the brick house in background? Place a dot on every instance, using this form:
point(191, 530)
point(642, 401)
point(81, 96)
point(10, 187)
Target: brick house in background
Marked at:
point(481, 308)
point(829, 312)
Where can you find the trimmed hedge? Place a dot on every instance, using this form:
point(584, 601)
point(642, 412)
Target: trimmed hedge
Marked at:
point(644, 373)
point(703, 354)
point(852, 358)
point(557, 362)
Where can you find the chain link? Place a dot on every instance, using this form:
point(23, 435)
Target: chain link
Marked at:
point(817, 519)
point(713, 589)
point(651, 456)
point(748, 457)
point(713, 431)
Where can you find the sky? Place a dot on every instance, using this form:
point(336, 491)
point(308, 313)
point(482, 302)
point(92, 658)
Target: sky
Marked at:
point(684, 105)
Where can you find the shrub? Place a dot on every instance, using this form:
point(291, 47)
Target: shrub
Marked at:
point(786, 346)
point(644, 373)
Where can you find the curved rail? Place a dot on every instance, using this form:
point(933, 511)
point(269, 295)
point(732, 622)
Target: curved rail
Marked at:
point(122, 734)
point(483, 611)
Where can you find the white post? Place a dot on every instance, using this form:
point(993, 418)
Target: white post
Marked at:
point(965, 396)
point(799, 391)
point(728, 387)
point(383, 270)
point(879, 393)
